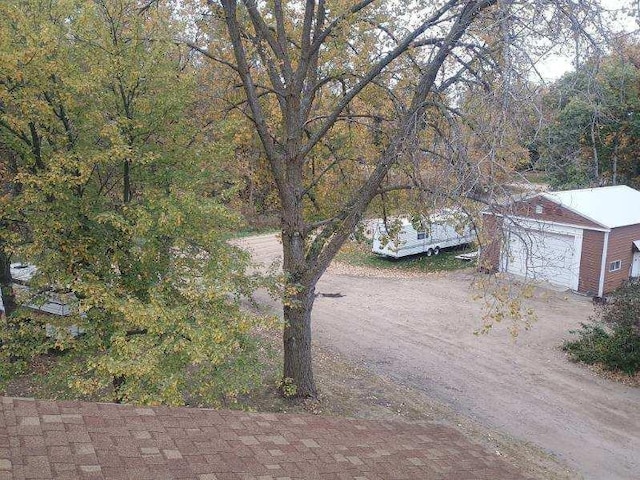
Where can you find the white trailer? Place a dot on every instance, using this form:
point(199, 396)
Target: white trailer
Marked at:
point(438, 231)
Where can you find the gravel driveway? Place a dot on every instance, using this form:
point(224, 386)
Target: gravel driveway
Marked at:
point(419, 331)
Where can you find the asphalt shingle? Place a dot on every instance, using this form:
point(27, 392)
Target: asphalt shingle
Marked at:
point(78, 440)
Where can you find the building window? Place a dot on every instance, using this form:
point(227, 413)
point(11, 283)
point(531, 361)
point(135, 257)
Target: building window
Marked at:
point(615, 266)
point(539, 209)
point(422, 235)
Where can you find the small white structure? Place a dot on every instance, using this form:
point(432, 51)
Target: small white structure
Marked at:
point(449, 228)
point(468, 257)
point(49, 302)
point(22, 272)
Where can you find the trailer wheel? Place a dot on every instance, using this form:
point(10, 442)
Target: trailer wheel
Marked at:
point(429, 252)
point(436, 250)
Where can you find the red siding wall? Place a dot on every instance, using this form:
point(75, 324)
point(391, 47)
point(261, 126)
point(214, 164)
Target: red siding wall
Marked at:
point(551, 212)
point(620, 248)
point(590, 262)
point(490, 243)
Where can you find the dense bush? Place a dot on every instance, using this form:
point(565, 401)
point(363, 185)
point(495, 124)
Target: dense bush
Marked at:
point(615, 349)
point(623, 309)
point(613, 338)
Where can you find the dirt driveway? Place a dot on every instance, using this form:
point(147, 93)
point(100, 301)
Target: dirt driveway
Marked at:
point(419, 331)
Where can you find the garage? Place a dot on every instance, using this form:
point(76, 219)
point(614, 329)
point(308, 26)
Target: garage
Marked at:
point(586, 240)
point(542, 255)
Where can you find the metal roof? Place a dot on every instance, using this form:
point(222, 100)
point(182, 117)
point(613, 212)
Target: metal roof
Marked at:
point(22, 272)
point(48, 302)
point(610, 207)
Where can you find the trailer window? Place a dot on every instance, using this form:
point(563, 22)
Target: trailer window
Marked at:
point(422, 235)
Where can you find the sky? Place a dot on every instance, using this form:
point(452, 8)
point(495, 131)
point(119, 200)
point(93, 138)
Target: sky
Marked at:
point(557, 64)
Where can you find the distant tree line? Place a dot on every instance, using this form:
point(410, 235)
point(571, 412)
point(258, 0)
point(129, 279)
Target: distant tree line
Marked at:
point(591, 124)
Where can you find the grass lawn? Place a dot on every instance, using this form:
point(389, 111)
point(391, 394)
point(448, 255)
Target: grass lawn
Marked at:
point(359, 254)
point(536, 176)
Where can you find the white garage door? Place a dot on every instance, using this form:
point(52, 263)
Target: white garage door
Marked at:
point(542, 256)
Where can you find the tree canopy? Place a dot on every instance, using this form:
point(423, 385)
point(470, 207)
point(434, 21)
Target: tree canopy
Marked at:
point(110, 197)
point(592, 136)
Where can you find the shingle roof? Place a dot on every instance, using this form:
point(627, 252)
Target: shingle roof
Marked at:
point(46, 439)
point(610, 207)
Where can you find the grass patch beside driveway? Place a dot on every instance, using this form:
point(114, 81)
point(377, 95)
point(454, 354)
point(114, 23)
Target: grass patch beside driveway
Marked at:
point(360, 255)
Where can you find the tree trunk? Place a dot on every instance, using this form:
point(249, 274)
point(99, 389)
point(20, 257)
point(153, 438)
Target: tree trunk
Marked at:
point(596, 160)
point(298, 372)
point(126, 194)
point(298, 302)
point(614, 160)
point(6, 283)
point(118, 382)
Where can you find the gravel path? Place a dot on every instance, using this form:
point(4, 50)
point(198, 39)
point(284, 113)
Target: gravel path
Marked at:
point(419, 329)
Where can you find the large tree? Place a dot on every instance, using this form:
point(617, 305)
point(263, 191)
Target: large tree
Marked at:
point(311, 73)
point(96, 101)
